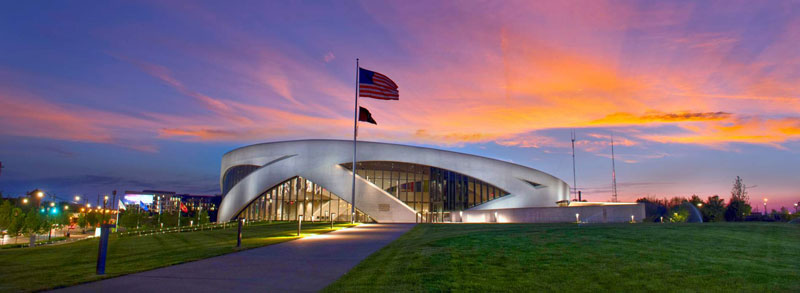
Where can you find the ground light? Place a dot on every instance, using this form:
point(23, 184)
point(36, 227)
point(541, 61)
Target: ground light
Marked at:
point(299, 224)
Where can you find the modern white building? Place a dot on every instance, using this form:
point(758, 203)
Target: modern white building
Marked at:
point(312, 179)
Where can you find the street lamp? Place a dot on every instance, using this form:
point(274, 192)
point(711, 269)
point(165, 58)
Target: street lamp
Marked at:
point(88, 205)
point(795, 207)
point(39, 194)
point(25, 201)
point(66, 207)
point(765, 206)
point(52, 204)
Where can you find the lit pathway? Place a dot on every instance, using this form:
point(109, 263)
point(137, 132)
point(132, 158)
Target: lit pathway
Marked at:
point(307, 264)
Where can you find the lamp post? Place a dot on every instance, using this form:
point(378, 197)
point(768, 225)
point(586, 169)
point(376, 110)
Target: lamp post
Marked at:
point(333, 216)
point(765, 206)
point(795, 206)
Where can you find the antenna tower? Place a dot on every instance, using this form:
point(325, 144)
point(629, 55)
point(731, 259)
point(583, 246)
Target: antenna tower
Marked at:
point(574, 180)
point(613, 172)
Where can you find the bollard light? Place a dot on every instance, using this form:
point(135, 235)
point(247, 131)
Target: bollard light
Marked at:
point(299, 224)
point(577, 218)
point(632, 219)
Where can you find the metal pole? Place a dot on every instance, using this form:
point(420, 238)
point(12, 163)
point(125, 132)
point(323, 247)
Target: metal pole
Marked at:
point(239, 235)
point(115, 203)
point(355, 135)
point(103, 249)
point(332, 216)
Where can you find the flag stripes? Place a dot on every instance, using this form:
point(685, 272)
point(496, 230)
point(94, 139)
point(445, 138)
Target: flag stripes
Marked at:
point(377, 86)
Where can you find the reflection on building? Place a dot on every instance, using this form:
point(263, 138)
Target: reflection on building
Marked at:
point(432, 192)
point(298, 197)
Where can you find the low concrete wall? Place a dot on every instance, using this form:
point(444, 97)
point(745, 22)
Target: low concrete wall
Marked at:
point(587, 214)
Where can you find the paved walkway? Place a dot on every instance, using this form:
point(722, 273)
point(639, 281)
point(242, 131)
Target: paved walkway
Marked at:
point(308, 264)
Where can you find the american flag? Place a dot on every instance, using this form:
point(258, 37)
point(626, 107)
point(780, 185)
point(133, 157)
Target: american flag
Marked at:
point(377, 86)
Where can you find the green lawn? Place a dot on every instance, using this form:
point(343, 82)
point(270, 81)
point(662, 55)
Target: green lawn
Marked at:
point(747, 257)
point(27, 269)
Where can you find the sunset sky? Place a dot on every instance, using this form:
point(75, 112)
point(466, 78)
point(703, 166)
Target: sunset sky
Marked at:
point(103, 95)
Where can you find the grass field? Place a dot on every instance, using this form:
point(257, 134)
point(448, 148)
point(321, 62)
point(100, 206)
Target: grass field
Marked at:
point(27, 269)
point(743, 257)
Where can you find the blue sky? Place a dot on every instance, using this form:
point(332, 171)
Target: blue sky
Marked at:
point(96, 96)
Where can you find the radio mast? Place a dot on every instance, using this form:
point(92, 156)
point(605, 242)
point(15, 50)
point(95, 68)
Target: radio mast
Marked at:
point(574, 180)
point(613, 172)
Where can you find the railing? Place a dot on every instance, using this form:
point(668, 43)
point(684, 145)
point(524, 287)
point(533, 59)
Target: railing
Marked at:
point(194, 228)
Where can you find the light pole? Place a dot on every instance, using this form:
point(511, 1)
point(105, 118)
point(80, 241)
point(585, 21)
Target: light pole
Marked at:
point(795, 207)
point(765, 206)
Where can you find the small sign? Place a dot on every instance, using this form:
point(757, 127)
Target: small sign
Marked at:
point(383, 207)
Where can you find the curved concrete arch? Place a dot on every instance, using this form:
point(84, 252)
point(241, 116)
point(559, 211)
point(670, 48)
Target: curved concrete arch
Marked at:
point(320, 161)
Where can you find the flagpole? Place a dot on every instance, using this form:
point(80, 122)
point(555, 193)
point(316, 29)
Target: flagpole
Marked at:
point(355, 134)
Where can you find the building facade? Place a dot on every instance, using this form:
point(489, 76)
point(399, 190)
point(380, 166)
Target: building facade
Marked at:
point(312, 179)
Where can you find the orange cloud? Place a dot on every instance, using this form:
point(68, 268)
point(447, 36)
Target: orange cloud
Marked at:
point(772, 132)
point(659, 117)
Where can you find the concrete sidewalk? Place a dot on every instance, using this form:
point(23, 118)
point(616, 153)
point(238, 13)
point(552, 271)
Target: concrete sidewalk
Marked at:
point(305, 265)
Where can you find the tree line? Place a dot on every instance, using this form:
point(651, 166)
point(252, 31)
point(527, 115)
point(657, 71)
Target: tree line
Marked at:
point(713, 209)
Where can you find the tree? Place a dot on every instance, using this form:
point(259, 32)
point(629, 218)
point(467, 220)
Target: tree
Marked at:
point(739, 190)
point(93, 219)
point(713, 209)
point(204, 218)
point(6, 210)
point(129, 219)
point(679, 215)
point(33, 223)
point(695, 200)
point(83, 221)
point(169, 219)
point(738, 207)
point(17, 222)
point(654, 208)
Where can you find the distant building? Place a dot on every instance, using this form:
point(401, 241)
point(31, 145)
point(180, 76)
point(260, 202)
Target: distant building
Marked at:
point(160, 201)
